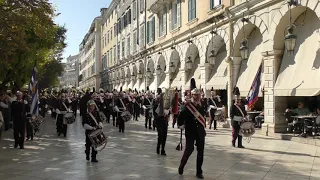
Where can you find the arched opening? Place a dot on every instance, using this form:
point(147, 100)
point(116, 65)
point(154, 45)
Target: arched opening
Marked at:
point(141, 75)
point(150, 75)
point(192, 60)
point(174, 66)
point(248, 69)
point(160, 71)
point(218, 75)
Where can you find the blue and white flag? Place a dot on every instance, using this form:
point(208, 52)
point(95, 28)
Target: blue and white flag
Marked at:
point(33, 91)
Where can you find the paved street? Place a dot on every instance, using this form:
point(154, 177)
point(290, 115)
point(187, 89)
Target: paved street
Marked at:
point(132, 156)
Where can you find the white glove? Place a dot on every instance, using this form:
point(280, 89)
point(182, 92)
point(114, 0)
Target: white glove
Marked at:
point(213, 107)
point(182, 127)
point(100, 124)
point(25, 102)
point(58, 111)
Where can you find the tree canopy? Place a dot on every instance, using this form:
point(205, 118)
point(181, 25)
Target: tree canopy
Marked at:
point(28, 34)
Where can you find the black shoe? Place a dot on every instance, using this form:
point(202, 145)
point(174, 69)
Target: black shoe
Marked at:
point(27, 139)
point(16, 146)
point(21, 147)
point(172, 126)
point(158, 150)
point(200, 176)
point(87, 158)
point(65, 135)
point(241, 147)
point(180, 171)
point(94, 160)
point(150, 127)
point(163, 153)
point(59, 134)
point(119, 130)
point(146, 126)
point(216, 129)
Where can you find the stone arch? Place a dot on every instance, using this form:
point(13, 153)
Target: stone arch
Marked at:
point(150, 65)
point(140, 66)
point(192, 53)
point(127, 71)
point(134, 69)
point(254, 22)
point(162, 63)
point(280, 20)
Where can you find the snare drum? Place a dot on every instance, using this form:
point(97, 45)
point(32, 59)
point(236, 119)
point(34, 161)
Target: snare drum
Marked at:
point(318, 120)
point(98, 139)
point(35, 122)
point(126, 116)
point(69, 118)
point(247, 129)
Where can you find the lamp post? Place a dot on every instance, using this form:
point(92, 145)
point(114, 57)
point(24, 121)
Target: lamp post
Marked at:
point(244, 50)
point(140, 74)
point(189, 63)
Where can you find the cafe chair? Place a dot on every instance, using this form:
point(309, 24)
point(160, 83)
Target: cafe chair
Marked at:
point(294, 126)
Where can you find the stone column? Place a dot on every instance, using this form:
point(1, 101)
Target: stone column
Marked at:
point(205, 73)
point(183, 79)
point(236, 65)
point(274, 107)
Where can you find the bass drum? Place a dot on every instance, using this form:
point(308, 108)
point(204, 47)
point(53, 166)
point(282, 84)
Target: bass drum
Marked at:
point(318, 120)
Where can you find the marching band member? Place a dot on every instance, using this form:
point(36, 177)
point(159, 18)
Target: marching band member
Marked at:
point(108, 104)
point(136, 105)
point(213, 103)
point(19, 111)
point(74, 103)
point(61, 110)
point(83, 102)
point(175, 107)
point(237, 112)
point(89, 122)
point(161, 122)
point(147, 105)
point(28, 125)
point(121, 107)
point(191, 119)
point(204, 103)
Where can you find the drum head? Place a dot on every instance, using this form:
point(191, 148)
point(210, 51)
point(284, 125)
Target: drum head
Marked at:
point(247, 125)
point(95, 133)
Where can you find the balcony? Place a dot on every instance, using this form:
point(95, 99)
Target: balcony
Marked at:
point(156, 5)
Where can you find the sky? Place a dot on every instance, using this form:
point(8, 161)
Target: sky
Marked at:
point(77, 16)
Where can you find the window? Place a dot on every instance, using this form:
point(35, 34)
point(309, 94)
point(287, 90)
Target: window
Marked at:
point(118, 53)
point(134, 47)
point(93, 68)
point(111, 34)
point(142, 36)
point(129, 16)
point(106, 58)
point(111, 59)
point(163, 23)
point(123, 48)
point(141, 6)
point(103, 42)
point(114, 53)
point(214, 3)
point(191, 9)
point(108, 37)
point(115, 30)
point(175, 15)
point(128, 46)
point(151, 30)
point(134, 9)
point(125, 21)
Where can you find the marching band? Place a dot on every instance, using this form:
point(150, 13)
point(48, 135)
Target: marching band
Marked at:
point(98, 107)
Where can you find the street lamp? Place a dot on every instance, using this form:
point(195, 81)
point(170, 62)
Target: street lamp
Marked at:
point(132, 76)
point(158, 70)
point(140, 74)
point(172, 67)
point(149, 73)
point(189, 63)
point(290, 39)
point(244, 50)
point(212, 57)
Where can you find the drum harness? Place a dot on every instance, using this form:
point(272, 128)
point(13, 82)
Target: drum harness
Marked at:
point(94, 119)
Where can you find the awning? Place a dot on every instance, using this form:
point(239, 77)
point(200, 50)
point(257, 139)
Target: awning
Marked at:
point(177, 82)
point(299, 73)
point(219, 78)
point(249, 69)
point(136, 85)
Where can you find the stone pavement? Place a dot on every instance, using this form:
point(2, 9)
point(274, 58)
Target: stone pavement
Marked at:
point(132, 155)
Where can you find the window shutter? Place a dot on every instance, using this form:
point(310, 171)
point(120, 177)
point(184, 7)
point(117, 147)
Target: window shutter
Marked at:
point(148, 32)
point(179, 13)
point(129, 16)
point(165, 20)
point(194, 9)
point(141, 5)
point(160, 23)
point(153, 28)
point(134, 9)
point(170, 22)
point(189, 9)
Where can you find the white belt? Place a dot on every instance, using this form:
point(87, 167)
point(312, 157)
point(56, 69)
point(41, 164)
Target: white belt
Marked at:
point(63, 112)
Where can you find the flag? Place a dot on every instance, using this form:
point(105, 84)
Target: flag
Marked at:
point(255, 88)
point(33, 91)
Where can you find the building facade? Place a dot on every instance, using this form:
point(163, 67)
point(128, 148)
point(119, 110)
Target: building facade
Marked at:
point(70, 72)
point(220, 43)
point(90, 63)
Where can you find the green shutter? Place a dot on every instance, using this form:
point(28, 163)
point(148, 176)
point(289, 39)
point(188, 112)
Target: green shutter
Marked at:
point(153, 28)
point(179, 13)
point(170, 20)
point(147, 32)
point(165, 20)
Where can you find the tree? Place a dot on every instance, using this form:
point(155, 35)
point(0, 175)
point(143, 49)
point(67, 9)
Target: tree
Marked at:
point(28, 33)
